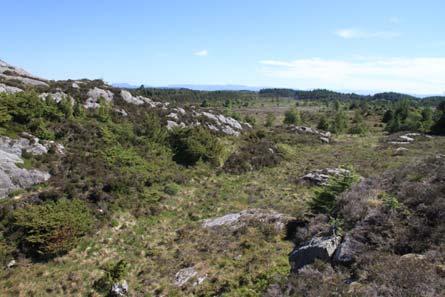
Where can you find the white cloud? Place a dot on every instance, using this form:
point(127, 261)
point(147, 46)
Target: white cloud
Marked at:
point(201, 53)
point(410, 75)
point(351, 33)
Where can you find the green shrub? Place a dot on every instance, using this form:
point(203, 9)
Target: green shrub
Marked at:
point(270, 119)
point(324, 200)
point(112, 274)
point(292, 117)
point(340, 123)
point(323, 124)
point(52, 228)
point(171, 189)
point(194, 144)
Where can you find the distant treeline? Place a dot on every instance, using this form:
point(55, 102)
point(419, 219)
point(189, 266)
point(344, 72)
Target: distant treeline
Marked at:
point(240, 97)
point(180, 95)
point(327, 95)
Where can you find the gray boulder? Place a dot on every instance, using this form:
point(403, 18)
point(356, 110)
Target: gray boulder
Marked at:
point(12, 175)
point(321, 248)
point(95, 94)
point(347, 251)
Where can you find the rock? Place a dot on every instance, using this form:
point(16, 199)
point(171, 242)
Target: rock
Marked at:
point(413, 256)
point(172, 124)
point(8, 89)
point(121, 111)
point(57, 97)
point(235, 221)
point(347, 251)
point(130, 99)
point(14, 73)
point(405, 139)
point(75, 85)
point(12, 176)
point(321, 177)
point(95, 94)
point(324, 136)
point(400, 151)
point(221, 123)
point(119, 289)
point(321, 248)
point(183, 276)
point(11, 263)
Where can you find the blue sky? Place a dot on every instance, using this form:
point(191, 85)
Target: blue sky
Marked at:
point(341, 45)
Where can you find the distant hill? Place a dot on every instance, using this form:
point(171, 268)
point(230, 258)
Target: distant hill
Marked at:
point(194, 87)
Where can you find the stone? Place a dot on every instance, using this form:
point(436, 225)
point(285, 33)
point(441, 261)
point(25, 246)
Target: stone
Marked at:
point(8, 89)
point(56, 96)
point(95, 94)
point(12, 176)
point(321, 177)
point(347, 251)
point(237, 220)
point(325, 137)
point(119, 289)
point(11, 72)
point(183, 276)
point(11, 263)
point(321, 248)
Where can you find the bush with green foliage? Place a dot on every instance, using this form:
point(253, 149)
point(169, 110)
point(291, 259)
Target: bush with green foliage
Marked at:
point(339, 123)
point(323, 123)
point(52, 228)
point(292, 117)
point(193, 144)
point(324, 200)
point(270, 119)
point(358, 124)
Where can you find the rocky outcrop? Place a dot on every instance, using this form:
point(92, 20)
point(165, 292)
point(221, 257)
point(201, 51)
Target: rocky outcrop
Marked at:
point(14, 73)
point(323, 136)
point(237, 220)
point(8, 89)
point(56, 96)
point(185, 275)
point(139, 100)
point(321, 177)
point(213, 121)
point(321, 248)
point(94, 95)
point(12, 175)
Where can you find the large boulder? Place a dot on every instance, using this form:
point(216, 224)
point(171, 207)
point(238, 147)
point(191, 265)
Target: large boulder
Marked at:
point(321, 248)
point(348, 250)
point(12, 174)
point(95, 94)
